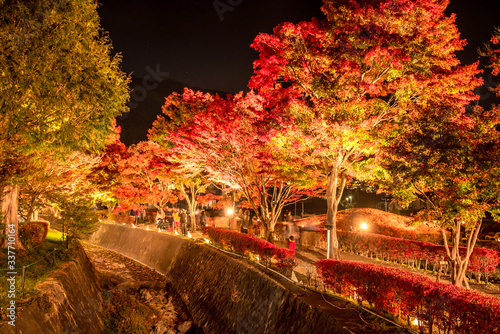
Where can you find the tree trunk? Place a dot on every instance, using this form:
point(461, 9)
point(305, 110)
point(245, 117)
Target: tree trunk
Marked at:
point(458, 265)
point(192, 204)
point(160, 213)
point(10, 201)
point(192, 216)
point(464, 263)
point(333, 195)
point(31, 209)
point(269, 233)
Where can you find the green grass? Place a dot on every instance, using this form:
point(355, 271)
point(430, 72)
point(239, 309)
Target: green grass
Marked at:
point(54, 236)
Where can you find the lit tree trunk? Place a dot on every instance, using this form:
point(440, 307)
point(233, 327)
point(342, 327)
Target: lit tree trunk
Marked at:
point(459, 265)
point(269, 221)
point(10, 201)
point(270, 204)
point(193, 205)
point(333, 196)
point(161, 212)
point(31, 208)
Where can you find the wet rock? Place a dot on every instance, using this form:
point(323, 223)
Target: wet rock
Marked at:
point(160, 328)
point(146, 294)
point(185, 326)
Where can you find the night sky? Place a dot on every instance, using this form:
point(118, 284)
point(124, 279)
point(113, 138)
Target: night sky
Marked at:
point(168, 45)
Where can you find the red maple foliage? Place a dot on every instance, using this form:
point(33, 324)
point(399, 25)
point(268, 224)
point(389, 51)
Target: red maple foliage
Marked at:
point(229, 140)
point(368, 65)
point(448, 157)
point(146, 178)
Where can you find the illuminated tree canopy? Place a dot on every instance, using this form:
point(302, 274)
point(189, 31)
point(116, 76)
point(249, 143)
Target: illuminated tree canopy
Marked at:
point(368, 66)
point(146, 177)
point(60, 88)
point(228, 138)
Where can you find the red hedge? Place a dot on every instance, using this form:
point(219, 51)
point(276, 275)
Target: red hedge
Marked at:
point(403, 293)
point(34, 232)
point(245, 243)
point(482, 260)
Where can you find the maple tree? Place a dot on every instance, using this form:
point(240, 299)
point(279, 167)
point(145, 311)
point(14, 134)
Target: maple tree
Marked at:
point(105, 176)
point(492, 51)
point(52, 178)
point(190, 179)
point(453, 167)
point(59, 91)
point(146, 178)
point(366, 65)
point(191, 187)
point(227, 138)
point(449, 158)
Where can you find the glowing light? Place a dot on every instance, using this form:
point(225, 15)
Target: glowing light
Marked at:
point(415, 322)
point(159, 229)
point(147, 228)
point(133, 225)
point(364, 226)
point(189, 235)
point(229, 211)
point(207, 241)
point(176, 233)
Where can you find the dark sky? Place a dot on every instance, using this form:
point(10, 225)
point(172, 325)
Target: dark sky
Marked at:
point(191, 43)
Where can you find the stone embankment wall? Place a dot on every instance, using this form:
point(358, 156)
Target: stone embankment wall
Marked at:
point(222, 294)
point(69, 301)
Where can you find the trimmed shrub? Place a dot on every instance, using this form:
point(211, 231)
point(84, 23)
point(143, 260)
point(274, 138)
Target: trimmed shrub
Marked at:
point(33, 233)
point(483, 261)
point(247, 244)
point(404, 294)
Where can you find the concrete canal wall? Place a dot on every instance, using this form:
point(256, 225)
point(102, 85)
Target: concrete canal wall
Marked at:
point(223, 294)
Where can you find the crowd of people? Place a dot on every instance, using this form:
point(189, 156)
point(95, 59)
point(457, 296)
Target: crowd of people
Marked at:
point(288, 230)
point(178, 220)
